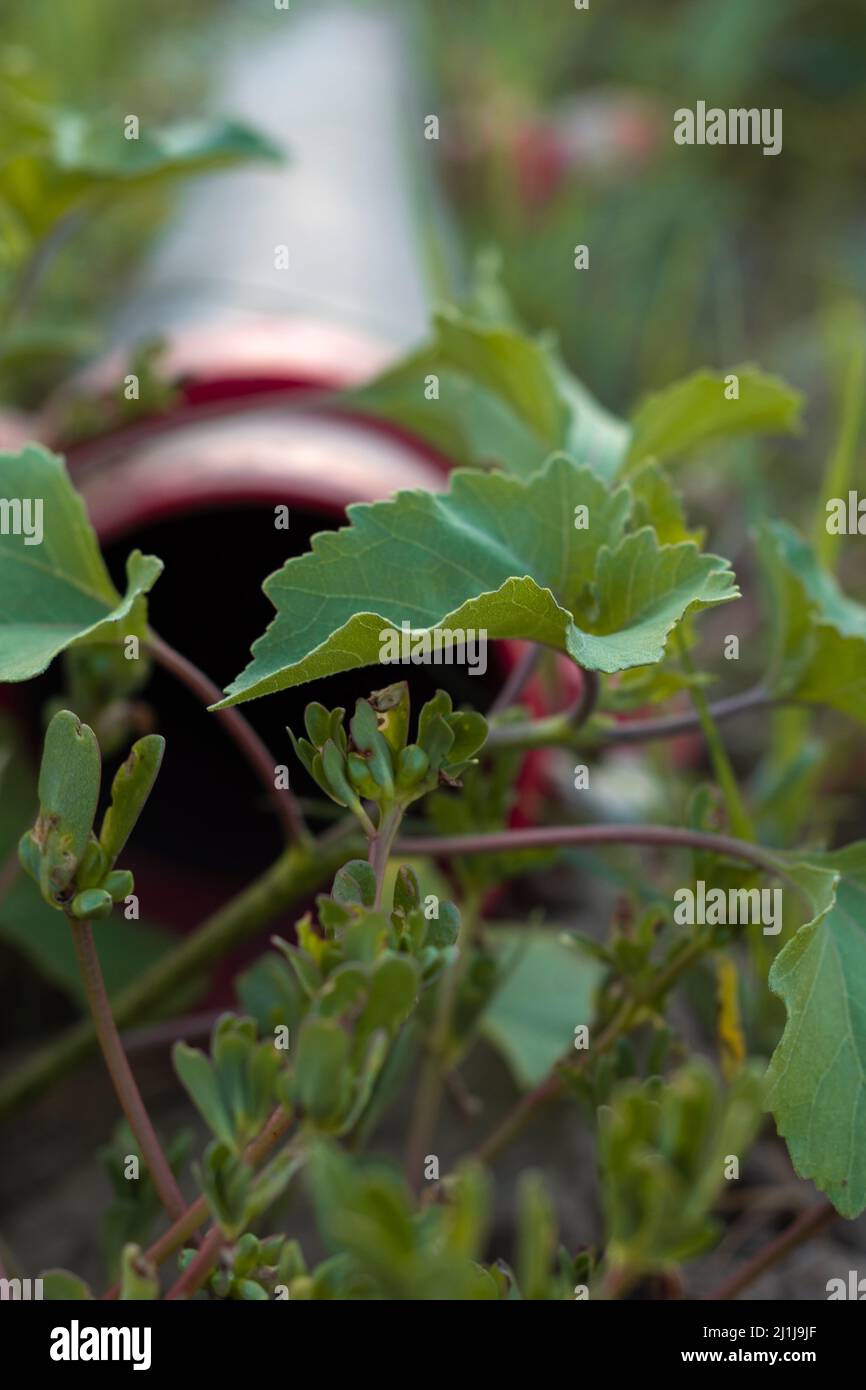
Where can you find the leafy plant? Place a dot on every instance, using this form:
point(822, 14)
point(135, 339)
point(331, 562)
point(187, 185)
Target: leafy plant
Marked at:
point(576, 541)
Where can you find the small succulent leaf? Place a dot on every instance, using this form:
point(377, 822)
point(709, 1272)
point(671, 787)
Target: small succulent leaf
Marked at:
point(69, 780)
point(321, 1068)
point(355, 882)
point(132, 785)
point(199, 1079)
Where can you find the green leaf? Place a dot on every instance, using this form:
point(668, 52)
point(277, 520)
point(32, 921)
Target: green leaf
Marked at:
point(355, 883)
point(548, 990)
point(199, 1078)
point(696, 411)
point(504, 399)
point(69, 779)
point(820, 633)
point(816, 1082)
point(536, 1237)
point(492, 553)
point(322, 1069)
point(658, 504)
point(96, 146)
point(58, 591)
point(132, 785)
point(60, 1286)
point(139, 1280)
point(226, 1182)
point(662, 1147)
point(36, 930)
point(394, 984)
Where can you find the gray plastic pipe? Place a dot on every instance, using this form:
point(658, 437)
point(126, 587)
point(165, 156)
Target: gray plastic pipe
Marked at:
point(334, 88)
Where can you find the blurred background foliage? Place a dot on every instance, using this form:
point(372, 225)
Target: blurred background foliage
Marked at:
point(556, 130)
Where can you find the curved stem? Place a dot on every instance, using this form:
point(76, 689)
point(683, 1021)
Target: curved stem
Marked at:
point(240, 730)
point(517, 680)
point(294, 875)
point(644, 730)
point(121, 1073)
point(808, 1224)
point(560, 730)
point(548, 837)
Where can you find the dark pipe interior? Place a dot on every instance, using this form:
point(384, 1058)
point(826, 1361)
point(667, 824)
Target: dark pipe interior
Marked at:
point(208, 811)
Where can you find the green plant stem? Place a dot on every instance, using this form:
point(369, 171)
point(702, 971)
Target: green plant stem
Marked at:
point(197, 1213)
point(254, 750)
point(808, 1224)
point(40, 258)
point(738, 817)
point(840, 464)
point(191, 1279)
point(298, 872)
point(579, 836)
point(379, 850)
point(434, 1066)
point(121, 1073)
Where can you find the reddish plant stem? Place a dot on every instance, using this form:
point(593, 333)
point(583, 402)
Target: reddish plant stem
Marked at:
point(9, 872)
point(808, 1224)
point(121, 1073)
point(197, 1213)
point(548, 837)
point(189, 1027)
point(241, 731)
point(643, 730)
point(199, 1267)
point(380, 849)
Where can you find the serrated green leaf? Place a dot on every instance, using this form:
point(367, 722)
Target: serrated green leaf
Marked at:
point(658, 504)
point(697, 411)
point(816, 1081)
point(820, 633)
point(504, 398)
point(493, 553)
point(59, 591)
